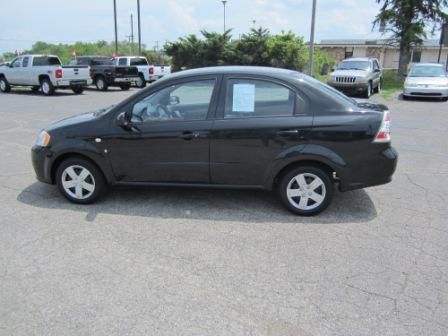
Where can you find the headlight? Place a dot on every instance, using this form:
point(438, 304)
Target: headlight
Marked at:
point(43, 139)
point(441, 85)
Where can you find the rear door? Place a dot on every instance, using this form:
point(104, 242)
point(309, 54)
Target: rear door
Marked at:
point(258, 119)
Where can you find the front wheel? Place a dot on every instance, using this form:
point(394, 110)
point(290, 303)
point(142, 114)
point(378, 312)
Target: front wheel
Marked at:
point(78, 90)
point(306, 190)
point(80, 181)
point(4, 85)
point(125, 87)
point(46, 87)
point(368, 91)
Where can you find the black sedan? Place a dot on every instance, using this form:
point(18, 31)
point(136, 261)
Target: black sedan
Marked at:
point(224, 127)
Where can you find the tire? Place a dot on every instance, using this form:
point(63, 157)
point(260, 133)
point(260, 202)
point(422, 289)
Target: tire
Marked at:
point(101, 84)
point(35, 89)
point(308, 202)
point(140, 83)
point(125, 87)
point(406, 97)
point(4, 85)
point(444, 99)
point(368, 91)
point(85, 190)
point(78, 90)
point(46, 87)
point(378, 88)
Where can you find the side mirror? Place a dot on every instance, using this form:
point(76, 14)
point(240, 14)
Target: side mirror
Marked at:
point(174, 100)
point(122, 120)
point(377, 70)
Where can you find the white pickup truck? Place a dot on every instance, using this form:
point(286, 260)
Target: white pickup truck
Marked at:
point(147, 73)
point(43, 72)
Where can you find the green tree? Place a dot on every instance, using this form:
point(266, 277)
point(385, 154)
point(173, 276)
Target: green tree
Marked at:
point(408, 21)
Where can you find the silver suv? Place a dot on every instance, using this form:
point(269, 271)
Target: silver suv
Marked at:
point(357, 75)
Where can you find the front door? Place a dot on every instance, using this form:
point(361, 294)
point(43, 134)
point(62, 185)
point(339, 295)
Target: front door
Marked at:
point(15, 74)
point(169, 141)
point(259, 120)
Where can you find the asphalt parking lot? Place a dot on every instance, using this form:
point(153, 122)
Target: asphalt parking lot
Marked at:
point(213, 262)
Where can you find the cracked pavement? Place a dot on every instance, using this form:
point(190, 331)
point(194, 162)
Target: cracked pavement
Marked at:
point(176, 261)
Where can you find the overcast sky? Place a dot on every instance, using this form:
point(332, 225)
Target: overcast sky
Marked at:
point(26, 21)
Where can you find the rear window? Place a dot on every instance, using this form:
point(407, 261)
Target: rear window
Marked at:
point(45, 60)
point(102, 61)
point(122, 61)
point(139, 61)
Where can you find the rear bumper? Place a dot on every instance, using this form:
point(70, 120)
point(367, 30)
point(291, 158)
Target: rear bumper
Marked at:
point(72, 83)
point(378, 170)
point(41, 159)
point(123, 80)
point(425, 92)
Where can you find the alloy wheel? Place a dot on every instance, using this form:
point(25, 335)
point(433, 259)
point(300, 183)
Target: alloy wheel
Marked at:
point(78, 182)
point(306, 191)
point(2, 85)
point(45, 87)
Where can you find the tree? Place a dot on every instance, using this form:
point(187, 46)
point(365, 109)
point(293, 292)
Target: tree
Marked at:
point(408, 21)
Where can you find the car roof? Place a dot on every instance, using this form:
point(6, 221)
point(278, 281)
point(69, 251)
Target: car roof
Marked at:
point(359, 59)
point(427, 64)
point(37, 55)
point(235, 69)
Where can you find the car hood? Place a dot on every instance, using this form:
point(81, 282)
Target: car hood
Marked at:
point(78, 119)
point(426, 80)
point(350, 73)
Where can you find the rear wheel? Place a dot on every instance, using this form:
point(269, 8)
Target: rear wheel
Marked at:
point(80, 181)
point(140, 82)
point(306, 190)
point(378, 88)
point(78, 89)
point(46, 87)
point(4, 85)
point(125, 87)
point(101, 84)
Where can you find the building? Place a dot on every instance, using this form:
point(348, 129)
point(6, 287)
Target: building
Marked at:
point(384, 51)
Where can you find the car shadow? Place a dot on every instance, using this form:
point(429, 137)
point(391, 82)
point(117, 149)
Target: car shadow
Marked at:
point(110, 89)
point(28, 92)
point(250, 206)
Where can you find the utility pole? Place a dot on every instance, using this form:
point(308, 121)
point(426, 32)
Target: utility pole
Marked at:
point(116, 30)
point(224, 2)
point(132, 34)
point(139, 29)
point(311, 54)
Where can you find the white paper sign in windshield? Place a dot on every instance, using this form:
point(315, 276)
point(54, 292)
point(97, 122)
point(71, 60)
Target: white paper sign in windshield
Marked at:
point(243, 98)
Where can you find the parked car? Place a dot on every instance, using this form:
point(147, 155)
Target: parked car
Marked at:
point(43, 72)
point(426, 80)
point(105, 73)
point(362, 75)
point(158, 71)
point(224, 127)
point(142, 65)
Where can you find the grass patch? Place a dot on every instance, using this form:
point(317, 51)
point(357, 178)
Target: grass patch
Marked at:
point(392, 83)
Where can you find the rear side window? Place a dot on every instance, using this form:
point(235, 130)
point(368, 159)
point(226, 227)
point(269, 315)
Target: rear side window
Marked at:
point(139, 61)
point(122, 61)
point(248, 98)
point(45, 60)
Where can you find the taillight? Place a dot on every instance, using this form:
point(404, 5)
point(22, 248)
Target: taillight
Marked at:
point(58, 73)
point(383, 134)
point(151, 70)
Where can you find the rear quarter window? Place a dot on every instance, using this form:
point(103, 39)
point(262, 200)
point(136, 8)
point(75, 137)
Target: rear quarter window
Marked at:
point(45, 60)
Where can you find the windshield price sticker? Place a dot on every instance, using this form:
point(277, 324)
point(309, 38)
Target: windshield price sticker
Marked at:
point(243, 98)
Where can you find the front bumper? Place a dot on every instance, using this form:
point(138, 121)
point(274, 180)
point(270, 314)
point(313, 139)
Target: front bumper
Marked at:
point(41, 159)
point(376, 171)
point(349, 87)
point(425, 91)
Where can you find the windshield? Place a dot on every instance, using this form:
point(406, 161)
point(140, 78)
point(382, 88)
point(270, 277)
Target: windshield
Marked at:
point(427, 71)
point(354, 65)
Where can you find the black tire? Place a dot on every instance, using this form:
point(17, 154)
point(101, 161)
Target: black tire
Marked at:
point(46, 87)
point(100, 186)
point(444, 99)
point(326, 190)
point(125, 87)
point(78, 90)
point(35, 89)
point(140, 83)
point(101, 83)
point(4, 85)
point(378, 87)
point(406, 97)
point(368, 91)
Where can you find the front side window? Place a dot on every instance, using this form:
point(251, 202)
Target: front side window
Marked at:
point(16, 63)
point(179, 102)
point(248, 98)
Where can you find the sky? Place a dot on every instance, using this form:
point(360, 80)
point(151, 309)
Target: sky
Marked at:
point(65, 21)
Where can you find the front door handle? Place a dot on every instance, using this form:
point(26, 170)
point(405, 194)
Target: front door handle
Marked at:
point(188, 135)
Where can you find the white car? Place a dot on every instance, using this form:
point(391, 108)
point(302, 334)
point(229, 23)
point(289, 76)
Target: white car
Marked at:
point(426, 80)
point(43, 72)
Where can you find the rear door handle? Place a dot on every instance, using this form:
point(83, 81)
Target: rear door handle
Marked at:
point(187, 135)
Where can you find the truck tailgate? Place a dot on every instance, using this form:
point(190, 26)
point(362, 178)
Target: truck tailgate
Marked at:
point(75, 73)
point(126, 71)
